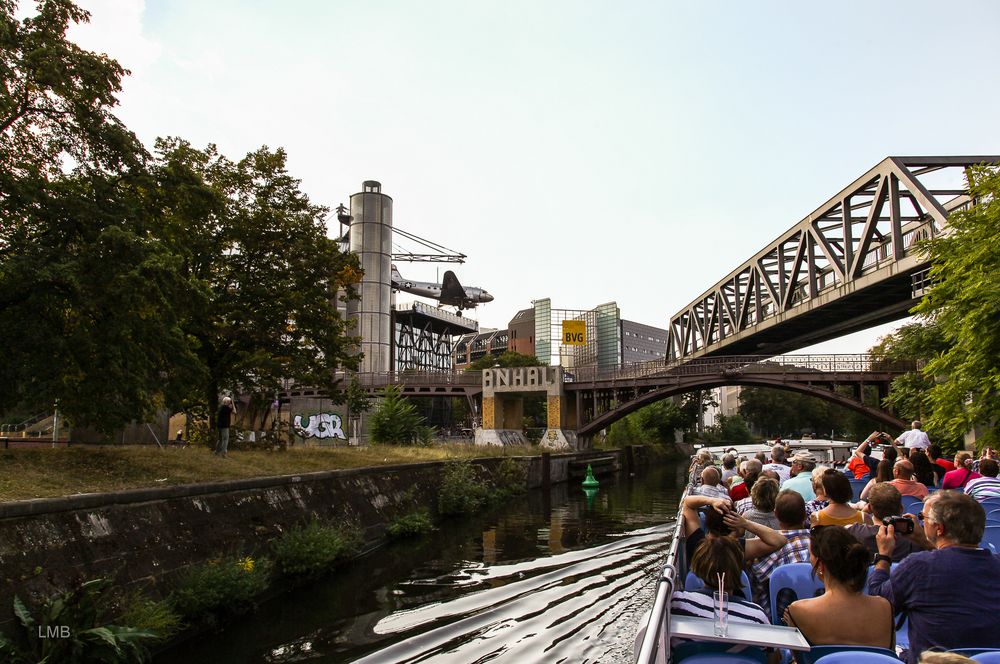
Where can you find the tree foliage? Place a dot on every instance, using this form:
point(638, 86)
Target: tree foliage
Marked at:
point(654, 424)
point(130, 282)
point(395, 421)
point(785, 413)
point(964, 305)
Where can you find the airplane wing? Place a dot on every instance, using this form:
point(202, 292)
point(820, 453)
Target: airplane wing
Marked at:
point(452, 292)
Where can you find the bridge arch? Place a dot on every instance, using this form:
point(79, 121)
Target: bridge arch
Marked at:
point(691, 383)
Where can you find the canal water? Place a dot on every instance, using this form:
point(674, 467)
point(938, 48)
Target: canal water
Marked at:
point(552, 577)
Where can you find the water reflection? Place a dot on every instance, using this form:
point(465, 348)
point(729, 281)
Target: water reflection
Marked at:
point(552, 578)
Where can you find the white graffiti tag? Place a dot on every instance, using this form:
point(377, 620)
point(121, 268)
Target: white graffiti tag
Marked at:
point(321, 425)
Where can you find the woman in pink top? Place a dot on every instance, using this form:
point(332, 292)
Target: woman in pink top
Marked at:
point(957, 479)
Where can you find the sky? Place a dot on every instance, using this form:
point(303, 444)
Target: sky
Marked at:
point(582, 151)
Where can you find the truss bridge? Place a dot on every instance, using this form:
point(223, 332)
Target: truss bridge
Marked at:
point(853, 263)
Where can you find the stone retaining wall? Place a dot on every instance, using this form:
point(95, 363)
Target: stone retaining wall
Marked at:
point(144, 536)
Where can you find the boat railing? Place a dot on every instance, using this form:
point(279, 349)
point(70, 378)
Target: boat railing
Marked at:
point(655, 647)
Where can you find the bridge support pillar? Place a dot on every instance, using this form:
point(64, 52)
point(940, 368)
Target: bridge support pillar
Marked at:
point(502, 418)
point(503, 407)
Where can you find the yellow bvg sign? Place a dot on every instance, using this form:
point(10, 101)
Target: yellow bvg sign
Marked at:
point(574, 333)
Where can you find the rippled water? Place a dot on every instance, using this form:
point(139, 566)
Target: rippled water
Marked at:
point(550, 578)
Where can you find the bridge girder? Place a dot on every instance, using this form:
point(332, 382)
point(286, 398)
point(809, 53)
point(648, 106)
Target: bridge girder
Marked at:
point(684, 384)
point(847, 266)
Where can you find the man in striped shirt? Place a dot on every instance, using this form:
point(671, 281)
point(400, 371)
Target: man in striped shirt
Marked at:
point(987, 486)
point(790, 508)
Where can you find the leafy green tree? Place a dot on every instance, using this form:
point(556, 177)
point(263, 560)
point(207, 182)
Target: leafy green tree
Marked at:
point(85, 287)
point(910, 393)
point(964, 303)
point(729, 429)
point(654, 424)
point(395, 420)
point(263, 277)
point(506, 360)
point(774, 412)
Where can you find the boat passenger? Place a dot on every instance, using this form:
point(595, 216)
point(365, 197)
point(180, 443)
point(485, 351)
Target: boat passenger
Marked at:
point(721, 520)
point(902, 474)
point(924, 471)
point(713, 557)
point(820, 501)
point(914, 439)
point(838, 513)
point(701, 461)
point(759, 507)
point(728, 468)
point(883, 473)
point(934, 452)
point(884, 501)
point(749, 471)
point(803, 464)
point(949, 593)
point(958, 478)
point(790, 510)
point(710, 484)
point(863, 464)
point(778, 464)
point(987, 486)
point(842, 615)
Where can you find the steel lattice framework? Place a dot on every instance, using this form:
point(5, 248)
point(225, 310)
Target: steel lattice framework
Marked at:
point(849, 265)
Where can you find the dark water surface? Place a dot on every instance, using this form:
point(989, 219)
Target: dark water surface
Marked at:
point(549, 578)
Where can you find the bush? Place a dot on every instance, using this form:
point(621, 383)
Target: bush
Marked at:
point(72, 628)
point(154, 616)
point(410, 525)
point(396, 421)
point(463, 490)
point(210, 591)
point(313, 549)
point(511, 479)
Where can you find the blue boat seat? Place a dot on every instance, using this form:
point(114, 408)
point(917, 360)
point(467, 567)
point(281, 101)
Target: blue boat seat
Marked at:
point(912, 505)
point(987, 657)
point(852, 655)
point(707, 652)
point(991, 538)
point(797, 577)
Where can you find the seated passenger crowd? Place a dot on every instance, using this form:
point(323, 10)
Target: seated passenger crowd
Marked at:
point(873, 561)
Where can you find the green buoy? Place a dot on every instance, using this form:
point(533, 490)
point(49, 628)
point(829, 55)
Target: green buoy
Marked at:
point(590, 482)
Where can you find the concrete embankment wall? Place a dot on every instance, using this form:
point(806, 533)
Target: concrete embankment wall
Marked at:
point(142, 537)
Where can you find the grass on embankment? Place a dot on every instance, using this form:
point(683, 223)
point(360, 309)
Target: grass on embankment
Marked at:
point(46, 473)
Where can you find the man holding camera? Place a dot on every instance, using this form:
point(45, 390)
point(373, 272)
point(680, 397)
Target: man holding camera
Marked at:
point(886, 507)
point(948, 592)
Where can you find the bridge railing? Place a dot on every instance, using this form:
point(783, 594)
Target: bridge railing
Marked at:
point(734, 365)
point(420, 378)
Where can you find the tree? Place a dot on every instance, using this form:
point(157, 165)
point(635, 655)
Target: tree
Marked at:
point(784, 413)
point(506, 360)
point(910, 393)
point(964, 303)
point(85, 288)
point(395, 420)
point(263, 277)
point(654, 424)
point(729, 430)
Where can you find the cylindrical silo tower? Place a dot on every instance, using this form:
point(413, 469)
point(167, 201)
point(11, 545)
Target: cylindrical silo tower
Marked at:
point(371, 240)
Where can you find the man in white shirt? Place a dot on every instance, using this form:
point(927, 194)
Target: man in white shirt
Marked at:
point(778, 463)
point(914, 438)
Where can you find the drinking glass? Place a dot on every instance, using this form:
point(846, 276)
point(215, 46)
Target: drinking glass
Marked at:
point(720, 603)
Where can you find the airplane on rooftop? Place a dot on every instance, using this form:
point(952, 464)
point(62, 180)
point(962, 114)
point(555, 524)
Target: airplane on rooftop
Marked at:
point(449, 292)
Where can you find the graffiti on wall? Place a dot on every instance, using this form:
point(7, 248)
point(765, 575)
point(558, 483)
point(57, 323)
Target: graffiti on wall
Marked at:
point(319, 425)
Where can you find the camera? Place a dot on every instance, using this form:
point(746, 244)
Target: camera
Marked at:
point(902, 525)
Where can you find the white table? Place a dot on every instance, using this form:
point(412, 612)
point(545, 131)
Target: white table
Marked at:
point(750, 634)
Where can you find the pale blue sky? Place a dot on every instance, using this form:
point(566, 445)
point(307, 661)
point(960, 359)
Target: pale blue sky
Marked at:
point(583, 151)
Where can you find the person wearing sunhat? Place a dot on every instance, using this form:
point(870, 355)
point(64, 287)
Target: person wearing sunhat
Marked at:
point(801, 480)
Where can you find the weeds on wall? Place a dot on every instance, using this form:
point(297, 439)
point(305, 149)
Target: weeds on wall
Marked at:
point(74, 627)
point(464, 489)
point(314, 549)
point(207, 592)
point(410, 525)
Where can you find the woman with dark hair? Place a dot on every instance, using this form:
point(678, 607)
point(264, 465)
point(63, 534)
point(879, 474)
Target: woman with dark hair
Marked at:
point(841, 563)
point(713, 557)
point(839, 492)
point(923, 469)
point(883, 473)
